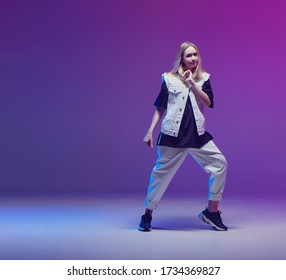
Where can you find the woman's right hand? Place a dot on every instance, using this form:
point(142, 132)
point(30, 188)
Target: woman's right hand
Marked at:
point(148, 140)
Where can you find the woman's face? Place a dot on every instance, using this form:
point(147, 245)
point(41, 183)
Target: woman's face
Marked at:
point(190, 58)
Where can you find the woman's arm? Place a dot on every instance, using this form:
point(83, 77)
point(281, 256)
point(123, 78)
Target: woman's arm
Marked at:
point(148, 139)
point(203, 97)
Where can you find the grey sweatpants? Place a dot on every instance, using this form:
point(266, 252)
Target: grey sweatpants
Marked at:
point(209, 157)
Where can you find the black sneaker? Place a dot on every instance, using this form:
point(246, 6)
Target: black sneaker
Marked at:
point(145, 224)
point(213, 219)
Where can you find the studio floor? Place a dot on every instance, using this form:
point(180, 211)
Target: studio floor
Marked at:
point(103, 227)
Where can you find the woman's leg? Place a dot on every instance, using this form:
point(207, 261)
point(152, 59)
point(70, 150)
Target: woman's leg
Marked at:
point(168, 162)
point(212, 161)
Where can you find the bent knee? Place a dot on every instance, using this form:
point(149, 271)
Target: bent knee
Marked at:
point(222, 164)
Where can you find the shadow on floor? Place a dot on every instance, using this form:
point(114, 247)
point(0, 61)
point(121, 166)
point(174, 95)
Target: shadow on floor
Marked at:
point(180, 223)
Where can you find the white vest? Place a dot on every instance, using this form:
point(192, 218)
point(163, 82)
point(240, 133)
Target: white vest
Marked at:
point(178, 96)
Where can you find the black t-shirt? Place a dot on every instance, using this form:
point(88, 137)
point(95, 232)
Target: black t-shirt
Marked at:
point(188, 134)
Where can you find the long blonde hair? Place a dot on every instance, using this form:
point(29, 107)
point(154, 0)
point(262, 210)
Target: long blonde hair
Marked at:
point(179, 67)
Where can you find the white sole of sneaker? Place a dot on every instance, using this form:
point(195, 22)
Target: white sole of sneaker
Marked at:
point(209, 222)
point(143, 229)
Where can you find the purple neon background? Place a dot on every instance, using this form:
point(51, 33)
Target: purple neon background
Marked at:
point(78, 80)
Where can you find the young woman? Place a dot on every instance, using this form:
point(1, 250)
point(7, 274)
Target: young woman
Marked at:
point(185, 91)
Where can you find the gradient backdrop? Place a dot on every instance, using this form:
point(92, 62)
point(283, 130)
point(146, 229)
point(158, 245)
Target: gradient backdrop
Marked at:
point(79, 78)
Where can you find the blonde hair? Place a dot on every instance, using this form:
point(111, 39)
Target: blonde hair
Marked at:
point(179, 67)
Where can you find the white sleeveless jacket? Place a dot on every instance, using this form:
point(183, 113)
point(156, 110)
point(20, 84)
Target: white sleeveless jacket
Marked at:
point(178, 95)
